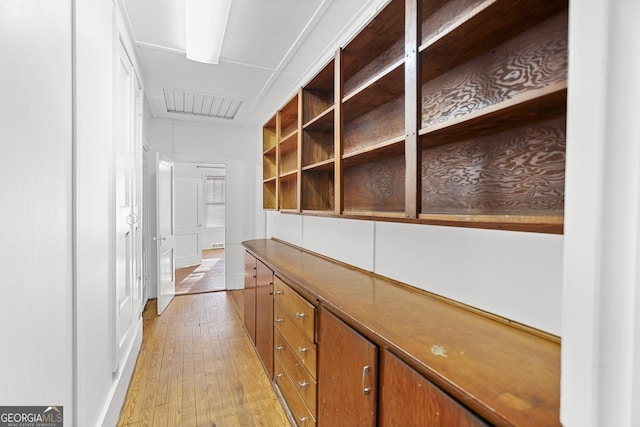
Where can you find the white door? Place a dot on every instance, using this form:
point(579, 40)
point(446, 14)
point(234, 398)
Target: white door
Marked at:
point(188, 222)
point(165, 236)
point(127, 194)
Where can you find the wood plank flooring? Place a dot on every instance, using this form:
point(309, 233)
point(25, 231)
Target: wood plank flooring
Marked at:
point(197, 367)
point(205, 277)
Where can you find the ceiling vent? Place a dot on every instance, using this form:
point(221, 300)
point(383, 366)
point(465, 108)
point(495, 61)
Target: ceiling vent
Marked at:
point(200, 104)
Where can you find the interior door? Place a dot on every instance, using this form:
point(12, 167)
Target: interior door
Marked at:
point(125, 221)
point(188, 221)
point(165, 235)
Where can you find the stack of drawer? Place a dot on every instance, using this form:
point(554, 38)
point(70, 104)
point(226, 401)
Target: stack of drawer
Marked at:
point(295, 352)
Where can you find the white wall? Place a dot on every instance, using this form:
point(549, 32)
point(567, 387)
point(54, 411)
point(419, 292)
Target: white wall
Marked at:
point(601, 312)
point(36, 256)
point(513, 274)
point(190, 142)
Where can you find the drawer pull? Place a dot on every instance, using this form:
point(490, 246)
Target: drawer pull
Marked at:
point(279, 292)
point(303, 419)
point(300, 315)
point(303, 384)
point(279, 348)
point(365, 371)
point(302, 350)
point(279, 375)
point(279, 320)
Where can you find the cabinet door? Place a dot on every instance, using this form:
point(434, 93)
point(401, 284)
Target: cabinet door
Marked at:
point(347, 363)
point(409, 399)
point(249, 294)
point(264, 316)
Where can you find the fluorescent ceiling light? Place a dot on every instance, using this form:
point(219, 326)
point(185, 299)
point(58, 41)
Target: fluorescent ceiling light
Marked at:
point(205, 25)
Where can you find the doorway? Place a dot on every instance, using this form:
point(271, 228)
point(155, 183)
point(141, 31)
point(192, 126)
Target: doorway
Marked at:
point(200, 228)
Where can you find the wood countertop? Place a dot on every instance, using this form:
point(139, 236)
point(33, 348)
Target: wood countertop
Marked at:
point(506, 374)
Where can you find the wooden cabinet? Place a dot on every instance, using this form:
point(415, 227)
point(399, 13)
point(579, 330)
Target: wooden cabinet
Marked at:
point(347, 372)
point(447, 112)
point(295, 352)
point(258, 308)
point(408, 399)
point(354, 348)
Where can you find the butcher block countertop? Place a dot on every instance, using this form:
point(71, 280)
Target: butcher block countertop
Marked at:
point(506, 373)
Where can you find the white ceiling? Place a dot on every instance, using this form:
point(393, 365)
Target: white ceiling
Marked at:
point(270, 46)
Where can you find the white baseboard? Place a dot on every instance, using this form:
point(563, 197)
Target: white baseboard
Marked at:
point(121, 381)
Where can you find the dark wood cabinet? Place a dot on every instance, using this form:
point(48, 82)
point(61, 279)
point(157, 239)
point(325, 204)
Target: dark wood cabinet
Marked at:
point(258, 308)
point(347, 375)
point(249, 293)
point(410, 400)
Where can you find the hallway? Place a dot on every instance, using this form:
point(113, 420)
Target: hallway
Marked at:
point(197, 368)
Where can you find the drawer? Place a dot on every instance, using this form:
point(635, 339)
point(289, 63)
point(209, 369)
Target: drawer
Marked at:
point(298, 408)
point(297, 308)
point(300, 377)
point(303, 347)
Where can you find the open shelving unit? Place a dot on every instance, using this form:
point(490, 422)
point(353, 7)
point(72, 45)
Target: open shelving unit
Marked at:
point(448, 112)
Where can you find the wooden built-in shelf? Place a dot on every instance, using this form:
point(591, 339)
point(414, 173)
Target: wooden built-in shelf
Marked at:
point(388, 148)
point(486, 22)
point(323, 165)
point(448, 112)
point(526, 107)
point(380, 89)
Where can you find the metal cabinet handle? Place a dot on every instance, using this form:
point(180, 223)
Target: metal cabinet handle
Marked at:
point(300, 315)
point(279, 320)
point(302, 350)
point(303, 384)
point(280, 348)
point(303, 419)
point(279, 375)
point(279, 292)
point(270, 285)
point(365, 371)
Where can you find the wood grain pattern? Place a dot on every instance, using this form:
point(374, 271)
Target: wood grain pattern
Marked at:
point(288, 161)
point(514, 172)
point(378, 45)
point(269, 138)
point(288, 195)
point(463, 29)
point(269, 165)
point(198, 346)
point(317, 145)
point(375, 186)
point(387, 86)
point(318, 190)
point(380, 124)
point(491, 363)
point(534, 59)
point(269, 195)
point(289, 117)
point(410, 400)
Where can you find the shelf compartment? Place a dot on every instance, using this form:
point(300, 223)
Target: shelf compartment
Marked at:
point(288, 195)
point(487, 23)
point(378, 45)
point(323, 165)
point(318, 94)
point(269, 136)
point(531, 61)
point(376, 186)
point(518, 172)
point(386, 86)
point(288, 161)
point(323, 121)
point(318, 192)
point(317, 146)
point(389, 148)
point(289, 118)
point(529, 106)
point(269, 194)
point(269, 165)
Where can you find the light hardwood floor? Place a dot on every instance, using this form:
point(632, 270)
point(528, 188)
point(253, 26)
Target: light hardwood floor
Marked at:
point(197, 367)
point(205, 277)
